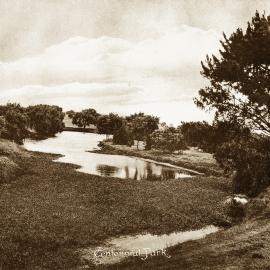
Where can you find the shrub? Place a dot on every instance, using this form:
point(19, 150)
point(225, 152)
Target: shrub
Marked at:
point(122, 136)
point(249, 159)
point(3, 125)
point(167, 140)
point(45, 119)
point(9, 169)
point(197, 134)
point(13, 122)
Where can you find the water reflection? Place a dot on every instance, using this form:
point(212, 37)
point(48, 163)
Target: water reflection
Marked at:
point(106, 170)
point(142, 171)
point(141, 244)
point(73, 147)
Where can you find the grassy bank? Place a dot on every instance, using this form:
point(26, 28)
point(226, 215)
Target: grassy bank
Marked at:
point(191, 159)
point(12, 161)
point(50, 211)
point(243, 246)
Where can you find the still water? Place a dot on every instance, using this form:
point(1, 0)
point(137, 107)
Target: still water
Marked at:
point(73, 147)
point(117, 249)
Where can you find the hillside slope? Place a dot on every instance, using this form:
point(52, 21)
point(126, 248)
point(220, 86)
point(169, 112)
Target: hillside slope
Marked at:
point(12, 158)
point(244, 246)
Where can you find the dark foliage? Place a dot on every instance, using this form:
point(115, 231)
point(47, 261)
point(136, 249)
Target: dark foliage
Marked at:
point(198, 134)
point(84, 118)
point(240, 79)
point(249, 159)
point(122, 136)
point(13, 123)
point(239, 93)
point(168, 140)
point(46, 120)
point(142, 126)
point(109, 124)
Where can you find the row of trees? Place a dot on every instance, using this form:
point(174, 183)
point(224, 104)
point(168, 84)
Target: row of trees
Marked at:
point(17, 122)
point(137, 126)
point(141, 127)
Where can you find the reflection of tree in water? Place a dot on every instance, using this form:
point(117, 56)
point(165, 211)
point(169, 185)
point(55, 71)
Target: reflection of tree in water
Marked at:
point(168, 174)
point(150, 176)
point(148, 172)
point(127, 172)
point(136, 174)
point(165, 175)
point(106, 170)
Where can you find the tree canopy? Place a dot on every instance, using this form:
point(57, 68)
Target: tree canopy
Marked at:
point(142, 125)
point(109, 124)
point(168, 140)
point(13, 123)
point(122, 136)
point(84, 118)
point(45, 119)
point(239, 93)
point(196, 133)
point(239, 89)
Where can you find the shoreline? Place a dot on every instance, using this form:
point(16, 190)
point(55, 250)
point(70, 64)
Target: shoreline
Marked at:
point(148, 160)
point(197, 167)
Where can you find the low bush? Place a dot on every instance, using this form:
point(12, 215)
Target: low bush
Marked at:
point(8, 169)
point(249, 159)
point(168, 140)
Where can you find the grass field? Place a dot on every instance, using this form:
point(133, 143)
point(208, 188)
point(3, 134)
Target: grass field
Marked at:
point(50, 210)
point(244, 246)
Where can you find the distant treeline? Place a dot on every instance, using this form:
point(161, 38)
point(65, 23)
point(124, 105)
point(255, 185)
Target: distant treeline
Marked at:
point(160, 136)
point(135, 127)
point(18, 123)
point(41, 121)
point(234, 146)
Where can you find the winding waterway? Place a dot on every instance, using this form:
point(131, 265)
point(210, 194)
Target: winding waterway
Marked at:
point(74, 147)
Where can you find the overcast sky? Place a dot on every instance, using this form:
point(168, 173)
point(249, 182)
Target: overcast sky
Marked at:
point(120, 56)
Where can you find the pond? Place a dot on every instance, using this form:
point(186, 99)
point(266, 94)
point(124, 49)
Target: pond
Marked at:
point(74, 147)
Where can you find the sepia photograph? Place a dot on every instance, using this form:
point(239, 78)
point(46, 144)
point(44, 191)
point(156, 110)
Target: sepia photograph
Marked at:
point(135, 134)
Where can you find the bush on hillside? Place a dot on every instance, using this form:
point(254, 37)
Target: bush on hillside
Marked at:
point(8, 169)
point(249, 159)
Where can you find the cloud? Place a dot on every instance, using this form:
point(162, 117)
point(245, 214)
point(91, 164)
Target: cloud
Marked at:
point(74, 95)
point(112, 59)
point(108, 73)
point(132, 20)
